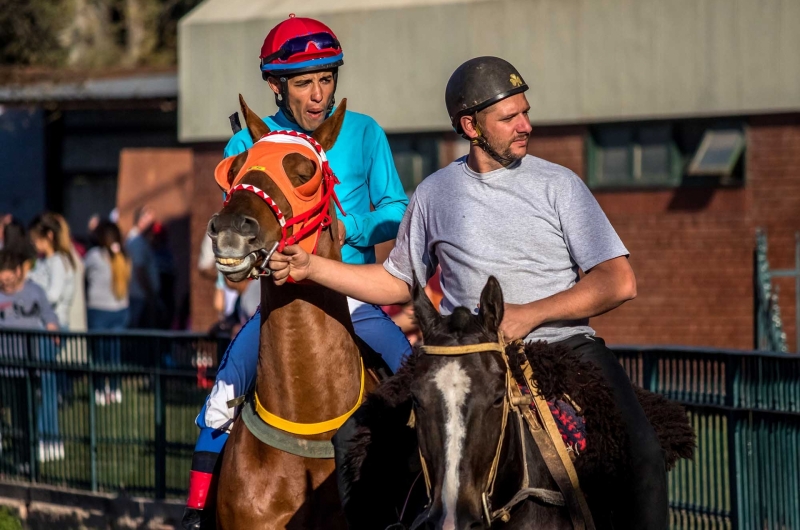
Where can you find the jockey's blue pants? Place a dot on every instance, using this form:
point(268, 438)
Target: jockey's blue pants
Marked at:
point(237, 369)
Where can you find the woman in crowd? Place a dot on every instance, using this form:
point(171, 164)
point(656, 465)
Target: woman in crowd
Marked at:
point(55, 269)
point(108, 271)
point(77, 310)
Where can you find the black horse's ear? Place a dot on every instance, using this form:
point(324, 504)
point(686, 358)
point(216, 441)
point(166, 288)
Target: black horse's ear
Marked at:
point(492, 306)
point(424, 312)
point(255, 125)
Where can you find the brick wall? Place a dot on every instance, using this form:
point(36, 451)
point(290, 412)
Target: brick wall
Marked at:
point(561, 145)
point(692, 249)
point(693, 269)
point(207, 201)
point(773, 186)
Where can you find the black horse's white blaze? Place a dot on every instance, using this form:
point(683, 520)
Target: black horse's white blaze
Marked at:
point(453, 382)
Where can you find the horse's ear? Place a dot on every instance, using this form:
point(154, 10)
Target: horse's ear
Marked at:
point(255, 125)
point(327, 133)
point(424, 312)
point(298, 168)
point(492, 306)
point(228, 169)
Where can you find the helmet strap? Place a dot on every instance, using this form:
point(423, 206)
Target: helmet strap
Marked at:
point(481, 142)
point(333, 98)
point(281, 98)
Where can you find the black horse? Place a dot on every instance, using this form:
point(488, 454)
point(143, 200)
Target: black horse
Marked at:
point(460, 410)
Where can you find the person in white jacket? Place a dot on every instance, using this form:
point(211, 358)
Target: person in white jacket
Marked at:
point(56, 268)
point(77, 310)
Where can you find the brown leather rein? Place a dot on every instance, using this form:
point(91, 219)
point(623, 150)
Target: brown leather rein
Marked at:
point(548, 442)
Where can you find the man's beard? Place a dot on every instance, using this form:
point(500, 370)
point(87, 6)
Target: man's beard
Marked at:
point(503, 149)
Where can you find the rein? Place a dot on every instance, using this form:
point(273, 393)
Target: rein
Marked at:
point(518, 402)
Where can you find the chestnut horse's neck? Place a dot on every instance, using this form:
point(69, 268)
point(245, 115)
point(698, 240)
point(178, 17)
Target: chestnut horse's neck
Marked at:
point(308, 365)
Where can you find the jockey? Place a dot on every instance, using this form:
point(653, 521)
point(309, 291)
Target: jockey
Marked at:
point(533, 225)
point(300, 59)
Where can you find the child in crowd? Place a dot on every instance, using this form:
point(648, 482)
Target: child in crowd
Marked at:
point(24, 305)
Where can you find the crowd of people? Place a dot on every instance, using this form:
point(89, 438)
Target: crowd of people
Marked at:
point(106, 281)
point(103, 282)
point(52, 281)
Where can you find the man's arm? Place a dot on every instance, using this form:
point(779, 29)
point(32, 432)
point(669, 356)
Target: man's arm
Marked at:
point(607, 285)
point(368, 283)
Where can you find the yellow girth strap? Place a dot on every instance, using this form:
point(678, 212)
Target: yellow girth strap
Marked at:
point(309, 428)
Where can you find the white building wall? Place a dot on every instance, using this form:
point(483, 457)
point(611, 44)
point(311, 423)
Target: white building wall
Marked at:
point(585, 60)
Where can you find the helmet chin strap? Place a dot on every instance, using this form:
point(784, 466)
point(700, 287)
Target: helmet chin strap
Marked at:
point(280, 98)
point(481, 142)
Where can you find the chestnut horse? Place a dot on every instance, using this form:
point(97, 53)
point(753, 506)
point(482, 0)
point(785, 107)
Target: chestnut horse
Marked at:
point(309, 366)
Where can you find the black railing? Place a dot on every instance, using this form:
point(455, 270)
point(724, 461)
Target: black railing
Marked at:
point(745, 409)
point(125, 406)
point(103, 412)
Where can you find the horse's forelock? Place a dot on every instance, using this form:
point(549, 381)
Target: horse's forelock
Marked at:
point(460, 327)
point(460, 319)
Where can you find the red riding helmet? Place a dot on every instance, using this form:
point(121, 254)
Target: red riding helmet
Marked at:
point(300, 45)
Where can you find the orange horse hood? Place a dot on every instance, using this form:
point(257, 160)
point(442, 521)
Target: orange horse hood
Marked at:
point(309, 201)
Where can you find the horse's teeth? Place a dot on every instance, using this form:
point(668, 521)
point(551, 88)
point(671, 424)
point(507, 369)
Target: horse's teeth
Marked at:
point(229, 261)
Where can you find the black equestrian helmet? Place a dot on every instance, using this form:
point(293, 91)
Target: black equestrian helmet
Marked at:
point(479, 83)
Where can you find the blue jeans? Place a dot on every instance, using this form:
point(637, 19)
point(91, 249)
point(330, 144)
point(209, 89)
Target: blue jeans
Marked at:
point(237, 369)
point(107, 350)
point(47, 409)
point(99, 319)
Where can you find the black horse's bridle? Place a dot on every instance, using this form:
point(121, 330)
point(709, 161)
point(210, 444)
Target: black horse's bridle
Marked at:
point(514, 398)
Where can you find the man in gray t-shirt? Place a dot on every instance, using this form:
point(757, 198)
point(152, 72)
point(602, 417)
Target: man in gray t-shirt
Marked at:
point(530, 223)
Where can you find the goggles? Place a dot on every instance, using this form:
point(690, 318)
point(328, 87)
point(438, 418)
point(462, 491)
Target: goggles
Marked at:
point(297, 45)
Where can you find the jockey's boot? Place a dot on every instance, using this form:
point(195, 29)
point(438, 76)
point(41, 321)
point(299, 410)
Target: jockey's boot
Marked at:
point(199, 513)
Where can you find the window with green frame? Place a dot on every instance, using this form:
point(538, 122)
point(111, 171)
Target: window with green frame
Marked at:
point(693, 152)
point(633, 156)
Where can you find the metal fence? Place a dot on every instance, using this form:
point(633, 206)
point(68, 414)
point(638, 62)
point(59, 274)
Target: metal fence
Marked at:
point(745, 409)
point(103, 412)
point(109, 412)
point(770, 334)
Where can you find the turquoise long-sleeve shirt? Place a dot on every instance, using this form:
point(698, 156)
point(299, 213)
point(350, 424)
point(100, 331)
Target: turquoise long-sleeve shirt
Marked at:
point(363, 163)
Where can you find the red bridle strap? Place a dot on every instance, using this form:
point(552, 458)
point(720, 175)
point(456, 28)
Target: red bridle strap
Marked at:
point(262, 195)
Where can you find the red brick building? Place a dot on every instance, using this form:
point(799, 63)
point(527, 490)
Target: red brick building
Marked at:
point(692, 247)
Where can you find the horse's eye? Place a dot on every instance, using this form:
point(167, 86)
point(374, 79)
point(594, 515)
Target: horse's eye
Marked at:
point(499, 401)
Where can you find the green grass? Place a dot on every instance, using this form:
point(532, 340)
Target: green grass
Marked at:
point(9, 519)
point(126, 436)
